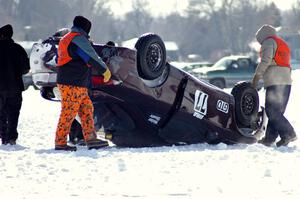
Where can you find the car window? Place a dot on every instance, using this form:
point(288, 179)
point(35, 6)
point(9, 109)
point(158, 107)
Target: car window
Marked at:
point(243, 63)
point(234, 65)
point(223, 63)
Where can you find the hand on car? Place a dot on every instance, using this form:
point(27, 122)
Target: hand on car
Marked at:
point(106, 75)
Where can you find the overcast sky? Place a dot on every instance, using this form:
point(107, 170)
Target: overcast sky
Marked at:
point(163, 7)
point(284, 4)
point(158, 6)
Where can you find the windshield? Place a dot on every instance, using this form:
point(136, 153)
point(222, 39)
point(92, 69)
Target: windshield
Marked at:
point(223, 63)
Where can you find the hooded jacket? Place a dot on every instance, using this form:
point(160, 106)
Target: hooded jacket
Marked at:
point(267, 69)
point(14, 62)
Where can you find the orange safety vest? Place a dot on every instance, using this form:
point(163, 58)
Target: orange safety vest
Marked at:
point(63, 54)
point(282, 54)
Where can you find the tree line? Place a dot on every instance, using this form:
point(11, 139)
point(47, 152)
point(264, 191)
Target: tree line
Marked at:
point(206, 28)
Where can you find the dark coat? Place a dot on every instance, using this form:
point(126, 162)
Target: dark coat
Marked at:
point(14, 63)
point(77, 72)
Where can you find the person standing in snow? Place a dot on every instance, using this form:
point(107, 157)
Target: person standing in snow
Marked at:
point(76, 58)
point(275, 70)
point(14, 63)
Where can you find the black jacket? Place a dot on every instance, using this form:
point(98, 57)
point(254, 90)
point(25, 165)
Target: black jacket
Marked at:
point(14, 63)
point(78, 71)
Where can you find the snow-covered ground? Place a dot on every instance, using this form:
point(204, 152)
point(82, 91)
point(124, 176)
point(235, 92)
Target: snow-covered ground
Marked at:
point(32, 169)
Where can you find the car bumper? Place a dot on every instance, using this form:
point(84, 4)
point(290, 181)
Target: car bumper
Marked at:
point(44, 79)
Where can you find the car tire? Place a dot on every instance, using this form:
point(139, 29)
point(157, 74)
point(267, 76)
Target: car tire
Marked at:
point(151, 56)
point(246, 104)
point(220, 83)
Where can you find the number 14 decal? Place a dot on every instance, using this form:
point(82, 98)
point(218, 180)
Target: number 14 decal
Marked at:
point(200, 105)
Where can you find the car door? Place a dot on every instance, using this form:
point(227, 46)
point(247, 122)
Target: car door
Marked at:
point(247, 69)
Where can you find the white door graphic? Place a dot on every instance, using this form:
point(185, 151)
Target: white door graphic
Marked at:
point(200, 105)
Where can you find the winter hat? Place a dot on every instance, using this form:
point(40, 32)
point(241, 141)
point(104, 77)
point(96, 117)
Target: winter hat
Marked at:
point(111, 43)
point(83, 23)
point(6, 31)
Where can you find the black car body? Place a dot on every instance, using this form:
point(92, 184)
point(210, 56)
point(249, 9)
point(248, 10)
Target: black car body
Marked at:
point(152, 103)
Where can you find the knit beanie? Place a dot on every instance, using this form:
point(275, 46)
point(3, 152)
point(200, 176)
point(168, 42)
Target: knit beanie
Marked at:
point(83, 23)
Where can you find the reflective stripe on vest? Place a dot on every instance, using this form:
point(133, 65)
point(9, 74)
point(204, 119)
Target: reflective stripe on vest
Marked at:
point(282, 54)
point(63, 54)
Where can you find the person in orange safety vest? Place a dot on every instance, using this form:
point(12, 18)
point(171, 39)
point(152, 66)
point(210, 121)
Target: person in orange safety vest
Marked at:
point(76, 58)
point(275, 70)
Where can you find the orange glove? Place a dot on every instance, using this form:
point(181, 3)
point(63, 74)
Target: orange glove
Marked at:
point(106, 75)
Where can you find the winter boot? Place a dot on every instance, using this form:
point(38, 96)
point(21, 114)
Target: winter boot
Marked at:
point(4, 142)
point(12, 142)
point(96, 144)
point(65, 148)
point(286, 140)
point(267, 142)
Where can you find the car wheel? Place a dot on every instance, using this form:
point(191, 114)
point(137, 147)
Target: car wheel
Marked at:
point(151, 56)
point(218, 83)
point(246, 104)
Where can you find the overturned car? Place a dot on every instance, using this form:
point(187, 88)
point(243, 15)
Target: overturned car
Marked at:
point(149, 102)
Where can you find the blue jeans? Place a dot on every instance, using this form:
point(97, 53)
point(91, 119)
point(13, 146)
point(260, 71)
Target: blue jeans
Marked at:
point(277, 97)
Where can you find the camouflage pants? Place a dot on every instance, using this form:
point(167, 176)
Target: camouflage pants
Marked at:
point(74, 100)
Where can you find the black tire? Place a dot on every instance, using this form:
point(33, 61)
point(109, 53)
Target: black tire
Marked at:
point(151, 56)
point(246, 104)
point(218, 83)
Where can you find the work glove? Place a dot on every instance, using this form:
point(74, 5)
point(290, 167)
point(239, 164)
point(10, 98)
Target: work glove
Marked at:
point(106, 75)
point(254, 81)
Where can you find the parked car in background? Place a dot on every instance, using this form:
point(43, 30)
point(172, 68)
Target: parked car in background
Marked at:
point(227, 71)
point(194, 65)
point(190, 66)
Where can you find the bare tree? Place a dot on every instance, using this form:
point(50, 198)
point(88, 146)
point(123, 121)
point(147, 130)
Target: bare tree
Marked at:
point(292, 17)
point(207, 26)
point(138, 21)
